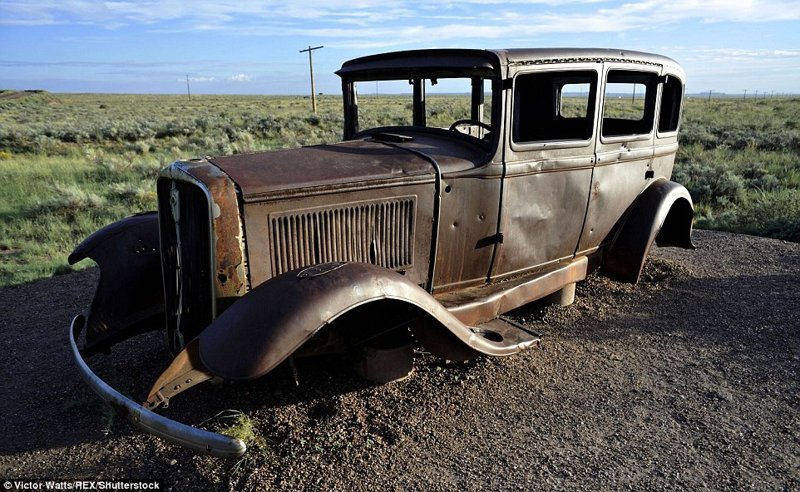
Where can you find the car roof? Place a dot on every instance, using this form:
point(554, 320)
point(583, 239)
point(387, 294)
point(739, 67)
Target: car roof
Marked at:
point(524, 56)
point(489, 59)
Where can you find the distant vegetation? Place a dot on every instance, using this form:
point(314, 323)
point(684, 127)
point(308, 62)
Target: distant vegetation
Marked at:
point(741, 162)
point(73, 163)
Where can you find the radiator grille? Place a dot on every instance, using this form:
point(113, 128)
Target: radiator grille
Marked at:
point(379, 232)
point(185, 259)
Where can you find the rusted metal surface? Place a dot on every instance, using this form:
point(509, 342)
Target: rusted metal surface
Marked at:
point(230, 274)
point(334, 168)
point(266, 326)
point(614, 187)
point(481, 304)
point(185, 371)
point(260, 216)
point(373, 67)
point(468, 227)
point(385, 364)
point(374, 231)
point(542, 219)
point(225, 274)
point(128, 300)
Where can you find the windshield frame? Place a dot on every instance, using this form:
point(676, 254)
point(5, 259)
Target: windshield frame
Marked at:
point(417, 77)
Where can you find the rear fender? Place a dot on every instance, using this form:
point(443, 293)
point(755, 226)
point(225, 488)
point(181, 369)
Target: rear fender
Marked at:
point(129, 296)
point(270, 323)
point(662, 213)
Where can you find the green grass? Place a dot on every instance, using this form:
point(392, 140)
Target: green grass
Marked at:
point(72, 163)
point(740, 160)
point(239, 425)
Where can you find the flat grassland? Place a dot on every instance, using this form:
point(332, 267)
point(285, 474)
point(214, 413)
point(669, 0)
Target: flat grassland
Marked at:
point(72, 163)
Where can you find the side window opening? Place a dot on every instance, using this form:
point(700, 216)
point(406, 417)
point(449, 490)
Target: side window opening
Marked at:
point(629, 103)
point(554, 106)
point(670, 112)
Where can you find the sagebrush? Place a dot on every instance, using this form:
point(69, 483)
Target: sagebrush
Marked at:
point(74, 162)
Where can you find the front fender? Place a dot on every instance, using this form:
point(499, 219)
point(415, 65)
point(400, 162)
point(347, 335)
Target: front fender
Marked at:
point(129, 296)
point(662, 213)
point(266, 326)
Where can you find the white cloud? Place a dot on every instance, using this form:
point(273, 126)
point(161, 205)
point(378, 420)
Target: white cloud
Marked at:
point(371, 25)
point(536, 15)
point(200, 80)
point(734, 69)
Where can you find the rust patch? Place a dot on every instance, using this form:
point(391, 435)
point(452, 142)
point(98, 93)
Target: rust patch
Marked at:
point(230, 276)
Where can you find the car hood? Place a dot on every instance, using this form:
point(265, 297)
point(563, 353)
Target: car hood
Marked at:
point(268, 174)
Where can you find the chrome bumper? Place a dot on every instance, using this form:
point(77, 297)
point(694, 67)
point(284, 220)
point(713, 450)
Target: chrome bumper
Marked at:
point(184, 435)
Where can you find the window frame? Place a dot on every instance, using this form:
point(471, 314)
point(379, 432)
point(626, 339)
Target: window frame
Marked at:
point(682, 94)
point(554, 143)
point(630, 137)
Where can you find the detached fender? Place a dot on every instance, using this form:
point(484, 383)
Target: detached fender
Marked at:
point(267, 325)
point(129, 296)
point(662, 213)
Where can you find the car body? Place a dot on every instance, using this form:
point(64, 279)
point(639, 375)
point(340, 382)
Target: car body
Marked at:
point(422, 227)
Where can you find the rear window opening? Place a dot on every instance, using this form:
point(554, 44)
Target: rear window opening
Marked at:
point(670, 112)
point(629, 103)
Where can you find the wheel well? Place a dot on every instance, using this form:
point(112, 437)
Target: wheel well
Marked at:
point(677, 227)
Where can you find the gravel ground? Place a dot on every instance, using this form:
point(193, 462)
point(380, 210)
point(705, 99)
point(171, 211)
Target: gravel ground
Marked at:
point(687, 380)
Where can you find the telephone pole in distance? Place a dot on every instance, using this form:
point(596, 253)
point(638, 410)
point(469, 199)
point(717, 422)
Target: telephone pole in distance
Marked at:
point(310, 50)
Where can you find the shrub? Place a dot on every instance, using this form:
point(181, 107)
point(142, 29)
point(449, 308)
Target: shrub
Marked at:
point(69, 202)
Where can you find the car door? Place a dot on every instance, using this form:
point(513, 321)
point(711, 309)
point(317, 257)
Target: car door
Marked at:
point(548, 165)
point(624, 148)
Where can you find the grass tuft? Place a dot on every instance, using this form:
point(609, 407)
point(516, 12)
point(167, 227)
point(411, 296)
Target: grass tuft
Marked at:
point(69, 202)
point(240, 426)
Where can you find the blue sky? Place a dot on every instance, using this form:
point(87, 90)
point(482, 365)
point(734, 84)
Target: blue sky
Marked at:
point(229, 46)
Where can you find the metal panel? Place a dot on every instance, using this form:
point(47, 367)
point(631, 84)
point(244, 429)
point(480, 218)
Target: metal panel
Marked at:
point(614, 188)
point(351, 165)
point(257, 224)
point(541, 221)
point(380, 232)
point(623, 170)
point(468, 228)
point(545, 192)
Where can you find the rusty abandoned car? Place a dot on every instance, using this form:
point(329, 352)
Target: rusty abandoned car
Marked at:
point(423, 232)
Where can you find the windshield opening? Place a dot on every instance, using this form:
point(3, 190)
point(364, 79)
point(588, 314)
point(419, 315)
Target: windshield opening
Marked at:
point(458, 104)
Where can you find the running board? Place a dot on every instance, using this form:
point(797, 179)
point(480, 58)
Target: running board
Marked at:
point(507, 331)
point(478, 305)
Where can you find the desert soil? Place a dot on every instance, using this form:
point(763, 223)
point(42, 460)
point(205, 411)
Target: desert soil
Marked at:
point(687, 380)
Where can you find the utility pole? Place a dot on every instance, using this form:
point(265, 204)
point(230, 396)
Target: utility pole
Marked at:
point(188, 92)
point(311, 70)
point(709, 96)
point(745, 95)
